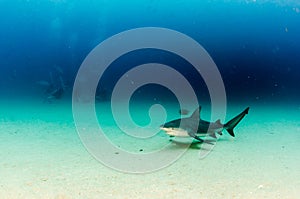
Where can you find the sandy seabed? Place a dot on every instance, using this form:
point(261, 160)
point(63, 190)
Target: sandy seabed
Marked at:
point(43, 157)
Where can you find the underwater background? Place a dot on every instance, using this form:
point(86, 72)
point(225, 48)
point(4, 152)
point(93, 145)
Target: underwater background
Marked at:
point(255, 45)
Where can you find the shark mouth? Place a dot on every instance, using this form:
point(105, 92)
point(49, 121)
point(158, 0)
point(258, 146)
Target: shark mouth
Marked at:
point(175, 132)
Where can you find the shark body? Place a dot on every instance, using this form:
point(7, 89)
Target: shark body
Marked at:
point(194, 127)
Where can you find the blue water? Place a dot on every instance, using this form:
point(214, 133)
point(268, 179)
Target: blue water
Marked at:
point(255, 45)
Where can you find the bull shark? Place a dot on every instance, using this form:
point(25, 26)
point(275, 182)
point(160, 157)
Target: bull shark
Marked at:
point(195, 127)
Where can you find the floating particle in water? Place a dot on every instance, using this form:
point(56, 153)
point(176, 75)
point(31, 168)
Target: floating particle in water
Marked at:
point(275, 50)
point(297, 10)
point(44, 179)
point(260, 186)
point(286, 29)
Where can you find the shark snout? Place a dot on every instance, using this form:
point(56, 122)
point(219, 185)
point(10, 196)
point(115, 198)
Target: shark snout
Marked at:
point(164, 128)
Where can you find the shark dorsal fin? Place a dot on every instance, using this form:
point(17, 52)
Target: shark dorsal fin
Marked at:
point(196, 113)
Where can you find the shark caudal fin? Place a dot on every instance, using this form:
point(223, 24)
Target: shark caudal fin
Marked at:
point(229, 126)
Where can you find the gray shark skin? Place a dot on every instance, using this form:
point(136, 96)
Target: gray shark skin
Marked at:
point(194, 127)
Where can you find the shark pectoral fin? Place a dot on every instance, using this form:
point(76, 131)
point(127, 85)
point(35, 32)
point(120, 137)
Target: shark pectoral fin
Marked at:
point(213, 135)
point(199, 139)
point(204, 141)
point(193, 135)
point(212, 142)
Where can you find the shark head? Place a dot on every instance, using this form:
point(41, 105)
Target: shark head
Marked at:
point(182, 127)
point(173, 128)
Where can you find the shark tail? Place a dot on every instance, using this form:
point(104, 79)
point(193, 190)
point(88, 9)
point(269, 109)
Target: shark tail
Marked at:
point(229, 126)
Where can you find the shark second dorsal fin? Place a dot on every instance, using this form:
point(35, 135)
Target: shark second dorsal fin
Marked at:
point(196, 113)
point(218, 122)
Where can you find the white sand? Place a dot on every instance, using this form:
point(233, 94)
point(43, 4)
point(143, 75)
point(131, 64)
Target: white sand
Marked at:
point(42, 157)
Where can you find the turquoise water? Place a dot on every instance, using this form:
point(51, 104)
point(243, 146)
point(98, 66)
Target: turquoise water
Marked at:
point(50, 150)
